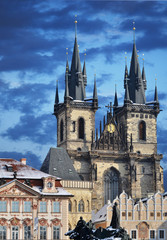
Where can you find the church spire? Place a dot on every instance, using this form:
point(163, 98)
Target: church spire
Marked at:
point(57, 94)
point(95, 89)
point(126, 98)
point(156, 93)
point(84, 71)
point(76, 82)
point(126, 71)
point(144, 77)
point(66, 77)
point(135, 83)
point(115, 99)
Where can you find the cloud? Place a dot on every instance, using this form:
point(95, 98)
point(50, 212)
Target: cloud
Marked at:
point(41, 129)
point(32, 159)
point(27, 98)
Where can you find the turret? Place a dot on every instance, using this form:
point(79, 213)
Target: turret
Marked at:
point(115, 99)
point(57, 94)
point(95, 98)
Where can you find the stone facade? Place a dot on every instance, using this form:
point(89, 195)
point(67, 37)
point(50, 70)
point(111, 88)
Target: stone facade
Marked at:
point(146, 219)
point(81, 203)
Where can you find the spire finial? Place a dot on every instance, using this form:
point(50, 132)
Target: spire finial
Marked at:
point(156, 80)
point(67, 53)
point(75, 25)
point(57, 93)
point(125, 58)
point(85, 54)
point(134, 32)
point(143, 59)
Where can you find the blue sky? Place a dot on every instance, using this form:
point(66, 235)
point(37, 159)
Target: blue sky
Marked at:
point(34, 36)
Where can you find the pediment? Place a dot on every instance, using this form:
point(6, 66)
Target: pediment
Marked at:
point(16, 189)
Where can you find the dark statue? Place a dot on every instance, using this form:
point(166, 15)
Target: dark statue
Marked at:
point(86, 231)
point(115, 222)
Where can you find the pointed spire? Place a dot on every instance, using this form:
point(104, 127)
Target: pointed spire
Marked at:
point(66, 94)
point(76, 80)
point(126, 71)
point(57, 94)
point(156, 92)
point(95, 89)
point(144, 77)
point(115, 99)
point(127, 98)
point(135, 83)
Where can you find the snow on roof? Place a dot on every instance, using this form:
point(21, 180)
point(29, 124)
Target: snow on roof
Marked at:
point(23, 171)
point(60, 191)
point(101, 215)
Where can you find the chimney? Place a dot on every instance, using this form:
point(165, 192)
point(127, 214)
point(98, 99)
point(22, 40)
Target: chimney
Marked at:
point(23, 161)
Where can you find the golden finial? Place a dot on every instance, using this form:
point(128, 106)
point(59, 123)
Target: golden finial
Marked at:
point(155, 79)
point(67, 51)
point(125, 58)
point(75, 18)
point(134, 26)
point(85, 54)
point(75, 25)
point(134, 31)
point(143, 59)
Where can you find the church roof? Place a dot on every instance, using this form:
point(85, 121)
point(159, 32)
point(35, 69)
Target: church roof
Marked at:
point(58, 163)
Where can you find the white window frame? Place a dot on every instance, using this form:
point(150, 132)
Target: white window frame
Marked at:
point(57, 230)
point(42, 229)
point(3, 206)
point(131, 234)
point(27, 232)
point(43, 207)
point(56, 207)
point(29, 206)
point(3, 230)
point(154, 232)
point(159, 234)
point(15, 206)
point(15, 232)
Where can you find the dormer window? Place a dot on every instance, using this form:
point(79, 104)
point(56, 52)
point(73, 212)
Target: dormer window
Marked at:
point(9, 168)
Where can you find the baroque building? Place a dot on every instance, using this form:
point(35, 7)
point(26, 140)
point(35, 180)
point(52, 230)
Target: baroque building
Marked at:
point(122, 153)
point(33, 204)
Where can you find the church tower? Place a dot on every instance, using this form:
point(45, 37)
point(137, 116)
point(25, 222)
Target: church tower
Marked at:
point(137, 119)
point(76, 115)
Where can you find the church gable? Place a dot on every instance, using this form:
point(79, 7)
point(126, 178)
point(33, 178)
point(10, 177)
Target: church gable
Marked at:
point(111, 138)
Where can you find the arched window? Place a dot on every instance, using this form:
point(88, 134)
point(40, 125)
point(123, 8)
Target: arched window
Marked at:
point(61, 130)
point(81, 126)
point(70, 206)
point(111, 185)
point(142, 130)
point(81, 206)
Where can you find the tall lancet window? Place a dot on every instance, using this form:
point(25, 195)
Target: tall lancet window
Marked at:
point(142, 130)
point(61, 130)
point(81, 126)
point(111, 185)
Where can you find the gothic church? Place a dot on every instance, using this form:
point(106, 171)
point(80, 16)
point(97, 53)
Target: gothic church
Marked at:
point(122, 153)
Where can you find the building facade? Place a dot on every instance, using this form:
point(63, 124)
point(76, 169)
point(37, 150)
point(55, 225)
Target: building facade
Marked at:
point(33, 205)
point(145, 219)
